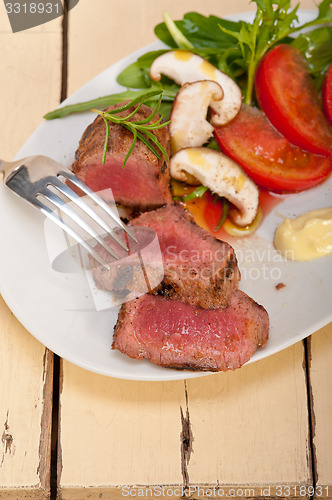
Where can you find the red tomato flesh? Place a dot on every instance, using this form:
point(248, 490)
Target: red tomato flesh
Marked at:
point(286, 94)
point(268, 157)
point(212, 212)
point(327, 94)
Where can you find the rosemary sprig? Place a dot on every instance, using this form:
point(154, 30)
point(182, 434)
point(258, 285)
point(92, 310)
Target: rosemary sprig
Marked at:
point(141, 129)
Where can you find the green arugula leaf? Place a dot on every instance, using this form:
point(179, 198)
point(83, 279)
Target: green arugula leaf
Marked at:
point(274, 23)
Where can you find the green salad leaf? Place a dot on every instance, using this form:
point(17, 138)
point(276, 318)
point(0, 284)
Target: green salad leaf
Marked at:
point(200, 31)
point(136, 75)
point(108, 100)
point(236, 48)
point(316, 46)
point(273, 23)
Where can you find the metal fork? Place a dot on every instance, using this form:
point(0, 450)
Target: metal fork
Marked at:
point(33, 176)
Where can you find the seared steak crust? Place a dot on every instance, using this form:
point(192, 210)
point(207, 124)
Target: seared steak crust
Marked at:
point(144, 182)
point(176, 335)
point(198, 269)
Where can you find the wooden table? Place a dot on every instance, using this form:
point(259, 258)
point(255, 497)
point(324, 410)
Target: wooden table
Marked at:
point(263, 431)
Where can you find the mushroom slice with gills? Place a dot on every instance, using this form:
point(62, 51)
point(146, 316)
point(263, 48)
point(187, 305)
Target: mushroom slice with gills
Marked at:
point(222, 176)
point(183, 67)
point(189, 126)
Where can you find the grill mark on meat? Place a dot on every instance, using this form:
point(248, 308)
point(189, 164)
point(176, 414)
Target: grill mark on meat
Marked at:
point(176, 335)
point(144, 182)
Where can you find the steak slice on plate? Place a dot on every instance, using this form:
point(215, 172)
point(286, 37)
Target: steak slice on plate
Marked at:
point(198, 269)
point(176, 335)
point(144, 182)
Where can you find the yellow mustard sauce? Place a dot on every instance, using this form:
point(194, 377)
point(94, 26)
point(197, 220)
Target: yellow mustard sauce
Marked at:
point(208, 70)
point(306, 237)
point(182, 55)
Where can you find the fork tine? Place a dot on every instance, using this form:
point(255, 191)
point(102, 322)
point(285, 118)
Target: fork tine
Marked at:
point(63, 188)
point(62, 205)
point(75, 180)
point(52, 216)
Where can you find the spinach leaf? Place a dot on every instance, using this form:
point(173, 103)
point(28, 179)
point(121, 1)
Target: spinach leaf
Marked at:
point(200, 31)
point(136, 75)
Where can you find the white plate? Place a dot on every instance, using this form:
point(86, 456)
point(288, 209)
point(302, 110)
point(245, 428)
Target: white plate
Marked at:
point(57, 308)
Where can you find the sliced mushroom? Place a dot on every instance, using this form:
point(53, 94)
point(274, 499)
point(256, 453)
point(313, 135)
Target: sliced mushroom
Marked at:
point(189, 126)
point(222, 176)
point(183, 67)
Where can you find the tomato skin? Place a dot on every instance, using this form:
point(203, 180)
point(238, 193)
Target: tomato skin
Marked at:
point(327, 94)
point(212, 212)
point(268, 157)
point(286, 94)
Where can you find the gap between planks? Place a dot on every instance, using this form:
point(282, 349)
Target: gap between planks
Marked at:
point(54, 465)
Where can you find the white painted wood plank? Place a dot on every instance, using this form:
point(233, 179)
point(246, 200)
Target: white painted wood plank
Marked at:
point(254, 424)
point(320, 378)
point(26, 370)
point(29, 86)
point(114, 432)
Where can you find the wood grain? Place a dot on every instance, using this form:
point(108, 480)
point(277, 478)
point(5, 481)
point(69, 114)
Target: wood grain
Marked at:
point(320, 382)
point(121, 436)
point(249, 427)
point(253, 422)
point(26, 371)
point(30, 85)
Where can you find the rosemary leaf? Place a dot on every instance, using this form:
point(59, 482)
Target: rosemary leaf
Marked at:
point(141, 129)
point(153, 114)
point(156, 125)
point(134, 131)
point(154, 139)
point(148, 144)
point(133, 113)
point(139, 99)
point(107, 135)
point(145, 122)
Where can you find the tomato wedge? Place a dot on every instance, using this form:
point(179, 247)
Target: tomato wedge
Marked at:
point(286, 94)
point(327, 94)
point(268, 157)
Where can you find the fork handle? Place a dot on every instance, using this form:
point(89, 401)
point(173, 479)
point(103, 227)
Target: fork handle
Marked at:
point(7, 168)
